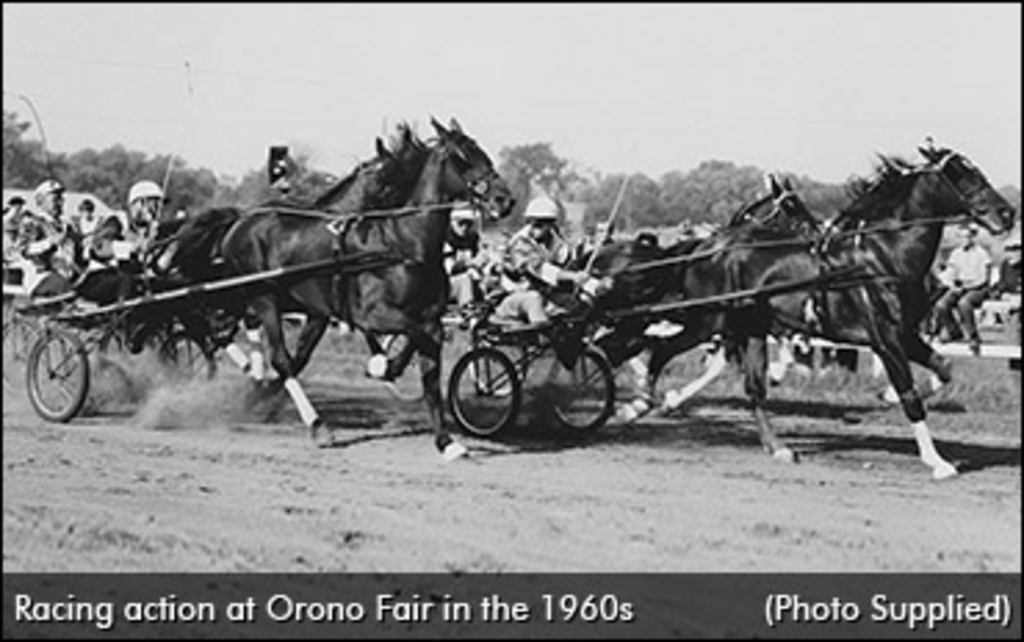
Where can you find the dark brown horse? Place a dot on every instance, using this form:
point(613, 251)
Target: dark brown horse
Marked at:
point(398, 285)
point(863, 283)
point(645, 274)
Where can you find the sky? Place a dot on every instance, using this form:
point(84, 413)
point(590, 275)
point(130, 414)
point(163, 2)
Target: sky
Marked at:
point(813, 89)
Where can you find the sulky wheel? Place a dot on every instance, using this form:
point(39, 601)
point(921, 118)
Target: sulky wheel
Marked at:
point(19, 334)
point(583, 397)
point(484, 391)
point(57, 375)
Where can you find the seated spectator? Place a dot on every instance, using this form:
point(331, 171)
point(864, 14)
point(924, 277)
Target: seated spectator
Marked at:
point(969, 265)
point(13, 212)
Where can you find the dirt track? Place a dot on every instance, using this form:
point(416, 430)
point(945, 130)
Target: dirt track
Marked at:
point(207, 479)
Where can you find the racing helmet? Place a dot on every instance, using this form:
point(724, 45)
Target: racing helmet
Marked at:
point(463, 214)
point(541, 208)
point(47, 187)
point(144, 189)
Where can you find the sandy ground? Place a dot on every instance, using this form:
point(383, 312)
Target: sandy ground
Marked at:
point(219, 477)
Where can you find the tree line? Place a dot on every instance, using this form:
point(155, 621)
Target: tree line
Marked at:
point(707, 194)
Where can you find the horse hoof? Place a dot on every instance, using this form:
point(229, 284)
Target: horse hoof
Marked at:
point(633, 411)
point(785, 455)
point(320, 434)
point(454, 450)
point(944, 470)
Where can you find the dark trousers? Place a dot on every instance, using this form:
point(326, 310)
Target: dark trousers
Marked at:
point(965, 302)
point(106, 286)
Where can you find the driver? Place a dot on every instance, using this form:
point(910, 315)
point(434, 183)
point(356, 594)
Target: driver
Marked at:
point(534, 265)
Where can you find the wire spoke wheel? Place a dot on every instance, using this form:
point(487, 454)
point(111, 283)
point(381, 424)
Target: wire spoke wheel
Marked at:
point(582, 397)
point(58, 375)
point(484, 391)
point(19, 335)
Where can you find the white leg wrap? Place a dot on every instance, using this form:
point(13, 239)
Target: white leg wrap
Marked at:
point(453, 451)
point(298, 395)
point(640, 371)
point(258, 367)
point(377, 366)
point(675, 398)
point(238, 356)
point(890, 395)
point(633, 410)
point(941, 468)
point(253, 335)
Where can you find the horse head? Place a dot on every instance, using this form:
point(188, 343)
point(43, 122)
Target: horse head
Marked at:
point(970, 187)
point(470, 173)
point(781, 208)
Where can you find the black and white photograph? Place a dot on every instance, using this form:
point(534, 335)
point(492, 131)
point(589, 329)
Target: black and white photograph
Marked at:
point(494, 288)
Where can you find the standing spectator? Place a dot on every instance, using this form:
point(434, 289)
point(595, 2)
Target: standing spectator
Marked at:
point(969, 265)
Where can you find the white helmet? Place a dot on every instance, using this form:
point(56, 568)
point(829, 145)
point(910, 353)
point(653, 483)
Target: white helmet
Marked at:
point(144, 189)
point(463, 214)
point(541, 208)
point(47, 187)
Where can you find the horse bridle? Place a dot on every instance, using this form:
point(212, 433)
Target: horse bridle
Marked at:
point(478, 180)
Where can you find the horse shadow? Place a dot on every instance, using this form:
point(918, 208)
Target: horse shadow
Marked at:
point(735, 429)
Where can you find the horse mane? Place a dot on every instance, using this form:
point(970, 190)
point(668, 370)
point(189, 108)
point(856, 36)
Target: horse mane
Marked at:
point(873, 198)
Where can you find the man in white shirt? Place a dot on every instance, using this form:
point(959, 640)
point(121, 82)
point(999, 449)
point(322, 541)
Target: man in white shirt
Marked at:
point(969, 269)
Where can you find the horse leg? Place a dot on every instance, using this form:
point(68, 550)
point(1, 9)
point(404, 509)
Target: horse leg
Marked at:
point(919, 352)
point(755, 382)
point(282, 362)
point(897, 367)
point(664, 351)
point(312, 331)
point(427, 342)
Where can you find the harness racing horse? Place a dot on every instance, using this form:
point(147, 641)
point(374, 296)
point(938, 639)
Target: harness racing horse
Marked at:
point(194, 250)
point(644, 275)
point(865, 280)
point(405, 293)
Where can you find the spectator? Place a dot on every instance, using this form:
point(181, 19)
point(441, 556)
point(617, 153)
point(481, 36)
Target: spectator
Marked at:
point(1007, 287)
point(86, 220)
point(13, 212)
point(969, 265)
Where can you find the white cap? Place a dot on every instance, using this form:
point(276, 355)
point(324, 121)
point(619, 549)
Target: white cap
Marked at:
point(541, 208)
point(144, 189)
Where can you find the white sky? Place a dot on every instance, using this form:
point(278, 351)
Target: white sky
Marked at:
point(811, 89)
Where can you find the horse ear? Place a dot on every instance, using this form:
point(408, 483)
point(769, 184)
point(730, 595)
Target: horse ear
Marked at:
point(930, 154)
point(455, 126)
point(773, 185)
point(441, 131)
point(787, 185)
point(382, 150)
